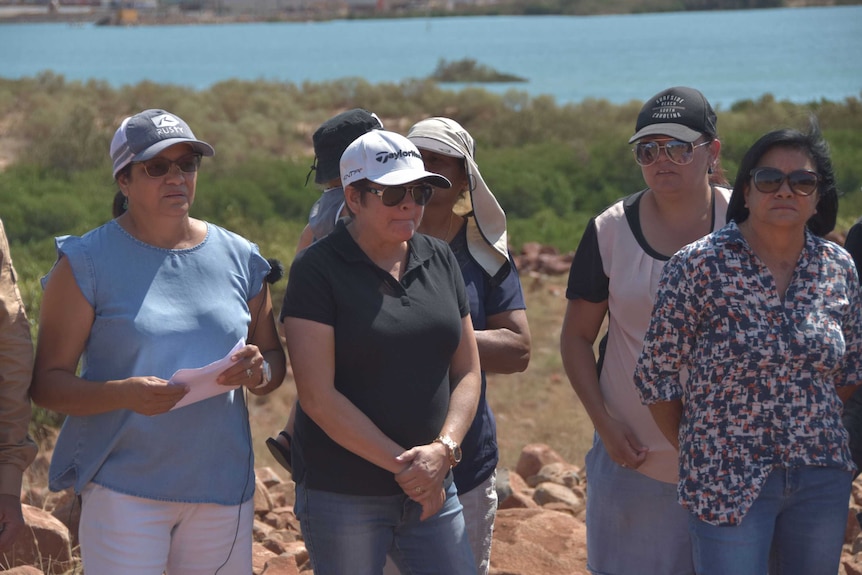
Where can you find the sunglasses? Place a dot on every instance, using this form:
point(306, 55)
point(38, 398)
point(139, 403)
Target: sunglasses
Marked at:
point(769, 180)
point(680, 153)
point(158, 167)
point(393, 195)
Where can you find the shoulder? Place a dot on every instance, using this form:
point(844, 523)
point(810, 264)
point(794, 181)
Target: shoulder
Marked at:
point(105, 236)
point(429, 249)
point(829, 250)
point(616, 213)
point(221, 234)
point(702, 251)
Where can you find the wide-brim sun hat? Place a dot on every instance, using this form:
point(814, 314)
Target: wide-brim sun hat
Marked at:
point(487, 239)
point(388, 159)
point(142, 136)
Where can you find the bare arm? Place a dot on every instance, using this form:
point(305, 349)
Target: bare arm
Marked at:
point(305, 238)
point(311, 347)
point(581, 326)
point(466, 384)
point(264, 335)
point(64, 326)
point(504, 345)
point(667, 415)
point(429, 464)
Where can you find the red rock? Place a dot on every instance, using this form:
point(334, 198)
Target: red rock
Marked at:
point(280, 566)
point(45, 541)
point(535, 456)
point(538, 542)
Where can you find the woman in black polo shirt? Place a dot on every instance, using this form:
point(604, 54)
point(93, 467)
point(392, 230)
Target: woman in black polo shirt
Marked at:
point(387, 372)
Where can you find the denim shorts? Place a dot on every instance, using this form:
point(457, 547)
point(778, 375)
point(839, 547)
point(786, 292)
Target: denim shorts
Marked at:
point(635, 524)
point(795, 527)
point(350, 534)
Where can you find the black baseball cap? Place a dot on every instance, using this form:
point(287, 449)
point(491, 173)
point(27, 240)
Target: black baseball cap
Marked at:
point(334, 135)
point(679, 112)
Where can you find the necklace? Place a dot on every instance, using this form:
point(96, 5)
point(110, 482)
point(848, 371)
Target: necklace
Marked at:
point(446, 238)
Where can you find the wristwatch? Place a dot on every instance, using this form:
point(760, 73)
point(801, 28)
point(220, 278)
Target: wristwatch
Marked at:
point(452, 448)
point(266, 373)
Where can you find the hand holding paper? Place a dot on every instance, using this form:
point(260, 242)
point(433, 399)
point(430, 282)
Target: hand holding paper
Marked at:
point(202, 381)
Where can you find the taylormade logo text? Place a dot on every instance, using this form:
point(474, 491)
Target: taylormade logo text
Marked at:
point(384, 157)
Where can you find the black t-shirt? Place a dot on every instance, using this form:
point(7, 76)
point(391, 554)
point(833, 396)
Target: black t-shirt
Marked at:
point(393, 345)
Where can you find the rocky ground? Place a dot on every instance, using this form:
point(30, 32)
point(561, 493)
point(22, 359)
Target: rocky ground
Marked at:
point(539, 530)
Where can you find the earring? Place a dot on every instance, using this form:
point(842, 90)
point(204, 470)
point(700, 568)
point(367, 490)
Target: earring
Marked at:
point(710, 170)
point(126, 203)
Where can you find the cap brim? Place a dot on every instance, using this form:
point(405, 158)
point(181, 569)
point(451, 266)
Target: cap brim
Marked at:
point(432, 145)
point(200, 147)
point(401, 177)
point(677, 131)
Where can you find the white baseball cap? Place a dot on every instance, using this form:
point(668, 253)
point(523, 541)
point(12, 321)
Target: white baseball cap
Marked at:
point(388, 159)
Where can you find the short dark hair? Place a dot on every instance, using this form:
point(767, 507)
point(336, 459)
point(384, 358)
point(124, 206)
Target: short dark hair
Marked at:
point(812, 144)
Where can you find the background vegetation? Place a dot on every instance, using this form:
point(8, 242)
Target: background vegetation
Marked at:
point(551, 166)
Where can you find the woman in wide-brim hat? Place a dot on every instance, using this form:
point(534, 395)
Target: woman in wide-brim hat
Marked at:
point(468, 217)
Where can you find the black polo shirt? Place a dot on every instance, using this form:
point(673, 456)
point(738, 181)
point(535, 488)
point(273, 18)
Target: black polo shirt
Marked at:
point(394, 341)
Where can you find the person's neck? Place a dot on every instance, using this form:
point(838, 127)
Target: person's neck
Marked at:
point(684, 208)
point(388, 256)
point(171, 233)
point(776, 244)
point(442, 224)
point(670, 222)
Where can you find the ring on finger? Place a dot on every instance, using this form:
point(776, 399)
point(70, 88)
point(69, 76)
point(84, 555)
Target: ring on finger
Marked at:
point(249, 373)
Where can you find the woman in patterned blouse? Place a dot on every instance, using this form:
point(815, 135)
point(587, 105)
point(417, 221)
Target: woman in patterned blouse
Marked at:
point(765, 318)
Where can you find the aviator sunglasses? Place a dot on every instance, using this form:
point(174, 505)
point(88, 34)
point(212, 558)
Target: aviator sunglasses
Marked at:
point(680, 153)
point(393, 195)
point(769, 180)
point(158, 167)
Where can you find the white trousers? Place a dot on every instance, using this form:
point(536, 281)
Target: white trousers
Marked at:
point(135, 536)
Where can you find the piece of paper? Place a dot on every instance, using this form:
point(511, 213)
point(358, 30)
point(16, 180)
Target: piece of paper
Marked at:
point(201, 381)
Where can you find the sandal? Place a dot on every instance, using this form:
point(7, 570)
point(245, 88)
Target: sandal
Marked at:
point(279, 452)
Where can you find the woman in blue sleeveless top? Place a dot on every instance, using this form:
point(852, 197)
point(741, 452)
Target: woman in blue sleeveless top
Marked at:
point(164, 464)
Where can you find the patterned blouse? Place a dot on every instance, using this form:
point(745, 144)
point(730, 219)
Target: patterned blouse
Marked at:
point(763, 373)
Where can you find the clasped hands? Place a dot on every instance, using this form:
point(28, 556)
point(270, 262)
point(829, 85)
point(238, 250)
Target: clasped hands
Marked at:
point(422, 478)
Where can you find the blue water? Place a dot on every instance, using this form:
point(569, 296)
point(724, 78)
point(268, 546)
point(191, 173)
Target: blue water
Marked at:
point(797, 54)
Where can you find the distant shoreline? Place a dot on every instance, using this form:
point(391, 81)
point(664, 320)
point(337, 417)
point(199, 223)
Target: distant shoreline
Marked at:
point(29, 14)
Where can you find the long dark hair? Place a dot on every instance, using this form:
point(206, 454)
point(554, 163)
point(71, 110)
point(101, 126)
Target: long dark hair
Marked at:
point(812, 144)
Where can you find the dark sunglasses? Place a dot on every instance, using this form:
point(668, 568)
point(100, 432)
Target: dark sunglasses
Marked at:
point(158, 167)
point(680, 153)
point(769, 180)
point(393, 195)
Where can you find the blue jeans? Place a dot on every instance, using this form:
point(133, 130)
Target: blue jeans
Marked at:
point(351, 534)
point(795, 527)
point(634, 523)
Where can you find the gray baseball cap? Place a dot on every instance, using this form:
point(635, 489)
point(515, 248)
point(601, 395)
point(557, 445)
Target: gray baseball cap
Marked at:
point(144, 135)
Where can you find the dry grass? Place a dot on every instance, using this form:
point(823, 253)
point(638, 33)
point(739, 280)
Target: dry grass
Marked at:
point(537, 406)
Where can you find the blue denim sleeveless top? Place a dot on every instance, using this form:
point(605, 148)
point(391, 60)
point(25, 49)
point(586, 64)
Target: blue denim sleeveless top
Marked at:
point(156, 311)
